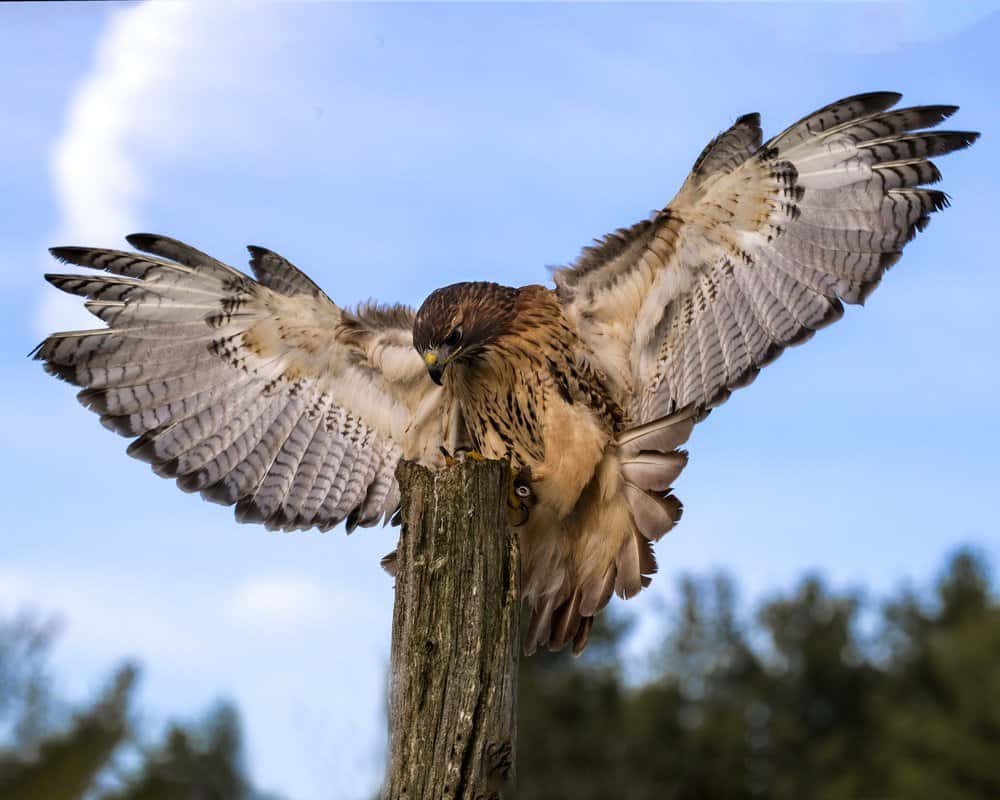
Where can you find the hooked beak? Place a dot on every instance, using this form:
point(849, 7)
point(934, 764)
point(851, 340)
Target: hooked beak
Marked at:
point(435, 365)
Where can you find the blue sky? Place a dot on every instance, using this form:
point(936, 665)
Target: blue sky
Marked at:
point(392, 149)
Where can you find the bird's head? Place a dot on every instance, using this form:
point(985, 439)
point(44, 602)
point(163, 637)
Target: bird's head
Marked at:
point(458, 323)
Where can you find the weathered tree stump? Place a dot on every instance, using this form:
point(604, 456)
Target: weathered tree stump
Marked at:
point(455, 638)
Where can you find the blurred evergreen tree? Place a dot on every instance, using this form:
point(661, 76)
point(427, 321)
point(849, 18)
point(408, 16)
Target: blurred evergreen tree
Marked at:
point(65, 765)
point(583, 698)
point(196, 763)
point(942, 704)
point(46, 757)
point(791, 703)
point(26, 702)
point(823, 732)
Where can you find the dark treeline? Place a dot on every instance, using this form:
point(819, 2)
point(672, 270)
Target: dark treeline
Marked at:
point(817, 695)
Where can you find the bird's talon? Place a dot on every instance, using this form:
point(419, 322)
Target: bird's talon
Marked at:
point(464, 452)
point(520, 498)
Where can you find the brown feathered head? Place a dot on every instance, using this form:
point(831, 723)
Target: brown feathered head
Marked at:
point(457, 322)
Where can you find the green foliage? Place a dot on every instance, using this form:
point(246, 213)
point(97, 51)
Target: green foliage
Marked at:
point(81, 757)
point(65, 765)
point(943, 706)
point(202, 763)
point(25, 685)
point(790, 704)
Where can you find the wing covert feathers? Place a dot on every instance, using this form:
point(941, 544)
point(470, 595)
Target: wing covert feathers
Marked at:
point(761, 248)
point(281, 275)
point(263, 395)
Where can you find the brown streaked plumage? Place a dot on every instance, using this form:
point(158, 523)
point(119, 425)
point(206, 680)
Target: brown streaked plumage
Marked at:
point(266, 395)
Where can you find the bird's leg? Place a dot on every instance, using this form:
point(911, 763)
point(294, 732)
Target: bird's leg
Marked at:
point(468, 452)
point(520, 497)
point(460, 454)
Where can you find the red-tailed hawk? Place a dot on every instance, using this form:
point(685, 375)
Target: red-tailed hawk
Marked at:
point(267, 395)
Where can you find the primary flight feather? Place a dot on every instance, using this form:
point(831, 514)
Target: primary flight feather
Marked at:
point(266, 395)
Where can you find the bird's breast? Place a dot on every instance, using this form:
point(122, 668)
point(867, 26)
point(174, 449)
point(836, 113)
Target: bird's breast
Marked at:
point(533, 412)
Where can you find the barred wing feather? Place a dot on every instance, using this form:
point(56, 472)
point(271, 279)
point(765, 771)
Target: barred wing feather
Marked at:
point(262, 394)
point(758, 250)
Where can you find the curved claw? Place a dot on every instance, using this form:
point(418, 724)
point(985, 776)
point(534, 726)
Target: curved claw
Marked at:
point(520, 497)
point(461, 454)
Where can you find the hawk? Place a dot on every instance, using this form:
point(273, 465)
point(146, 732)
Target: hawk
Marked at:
point(265, 394)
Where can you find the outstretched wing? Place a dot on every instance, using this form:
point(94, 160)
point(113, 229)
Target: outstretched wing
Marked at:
point(263, 394)
point(758, 250)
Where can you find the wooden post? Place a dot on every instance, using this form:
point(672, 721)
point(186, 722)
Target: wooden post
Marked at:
point(455, 638)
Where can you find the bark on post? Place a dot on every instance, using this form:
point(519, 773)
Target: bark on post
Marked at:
point(455, 638)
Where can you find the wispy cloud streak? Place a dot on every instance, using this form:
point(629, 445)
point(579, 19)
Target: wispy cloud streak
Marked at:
point(95, 162)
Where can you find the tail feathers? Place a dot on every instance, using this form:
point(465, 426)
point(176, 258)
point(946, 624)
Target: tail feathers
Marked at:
point(653, 514)
point(614, 553)
point(649, 466)
point(635, 563)
point(582, 635)
point(565, 622)
point(661, 435)
point(652, 471)
point(556, 625)
point(596, 594)
point(540, 625)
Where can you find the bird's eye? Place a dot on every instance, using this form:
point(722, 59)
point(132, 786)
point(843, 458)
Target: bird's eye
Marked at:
point(522, 491)
point(455, 337)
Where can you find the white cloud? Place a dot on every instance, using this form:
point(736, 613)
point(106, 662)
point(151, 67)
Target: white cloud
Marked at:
point(14, 587)
point(928, 20)
point(169, 80)
point(200, 639)
point(90, 605)
point(182, 85)
point(94, 169)
point(96, 175)
point(281, 603)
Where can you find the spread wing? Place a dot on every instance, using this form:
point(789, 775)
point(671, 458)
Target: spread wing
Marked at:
point(259, 393)
point(758, 249)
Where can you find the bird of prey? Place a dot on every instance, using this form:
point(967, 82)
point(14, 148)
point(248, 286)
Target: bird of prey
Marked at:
point(264, 394)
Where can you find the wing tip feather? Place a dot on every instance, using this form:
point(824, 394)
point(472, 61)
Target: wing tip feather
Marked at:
point(146, 242)
point(69, 254)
